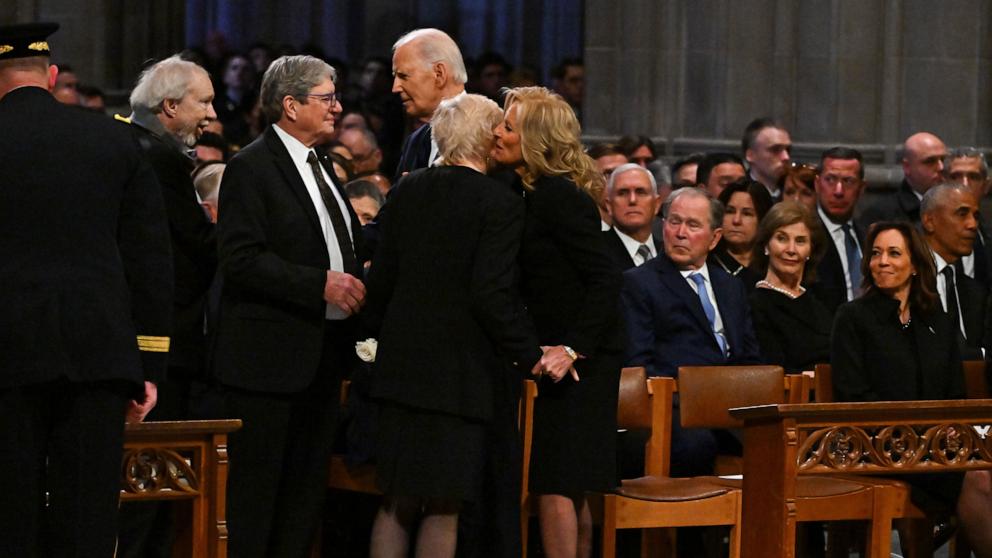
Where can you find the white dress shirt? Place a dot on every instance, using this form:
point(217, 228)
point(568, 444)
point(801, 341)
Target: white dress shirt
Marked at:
point(942, 288)
point(705, 272)
point(837, 236)
point(632, 245)
point(299, 153)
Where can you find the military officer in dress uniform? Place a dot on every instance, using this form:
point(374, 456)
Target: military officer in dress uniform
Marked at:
point(85, 306)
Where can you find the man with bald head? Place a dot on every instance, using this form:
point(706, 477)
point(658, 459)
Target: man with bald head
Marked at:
point(427, 68)
point(922, 167)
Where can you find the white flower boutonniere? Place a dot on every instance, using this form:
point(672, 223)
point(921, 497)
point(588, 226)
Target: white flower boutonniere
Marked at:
point(366, 349)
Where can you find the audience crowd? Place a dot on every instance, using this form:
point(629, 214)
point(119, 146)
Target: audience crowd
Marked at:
point(448, 209)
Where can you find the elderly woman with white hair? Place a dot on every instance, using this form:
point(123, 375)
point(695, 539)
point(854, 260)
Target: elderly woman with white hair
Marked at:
point(441, 301)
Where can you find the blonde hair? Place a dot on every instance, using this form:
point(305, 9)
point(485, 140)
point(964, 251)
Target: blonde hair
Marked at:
point(463, 128)
point(549, 140)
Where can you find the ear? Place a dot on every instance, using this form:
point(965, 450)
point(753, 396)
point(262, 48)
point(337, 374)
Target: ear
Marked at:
point(748, 156)
point(717, 235)
point(289, 107)
point(53, 73)
point(927, 221)
point(441, 74)
point(170, 107)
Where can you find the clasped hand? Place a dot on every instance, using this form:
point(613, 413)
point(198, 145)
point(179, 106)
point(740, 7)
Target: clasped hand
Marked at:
point(556, 362)
point(344, 291)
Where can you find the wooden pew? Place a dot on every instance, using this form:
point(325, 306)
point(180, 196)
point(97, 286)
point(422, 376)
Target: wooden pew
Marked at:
point(182, 460)
point(881, 438)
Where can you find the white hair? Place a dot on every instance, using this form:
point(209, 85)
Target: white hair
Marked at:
point(434, 45)
point(630, 167)
point(207, 181)
point(166, 79)
point(463, 127)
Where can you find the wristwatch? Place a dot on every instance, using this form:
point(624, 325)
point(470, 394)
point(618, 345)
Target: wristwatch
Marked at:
point(570, 352)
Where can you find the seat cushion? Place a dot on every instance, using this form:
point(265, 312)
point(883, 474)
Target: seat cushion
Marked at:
point(665, 489)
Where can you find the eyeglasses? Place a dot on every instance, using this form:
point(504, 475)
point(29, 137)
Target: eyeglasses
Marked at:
point(326, 98)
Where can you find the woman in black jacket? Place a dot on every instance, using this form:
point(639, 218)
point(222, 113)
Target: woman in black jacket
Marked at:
point(793, 327)
point(441, 296)
point(895, 343)
point(571, 289)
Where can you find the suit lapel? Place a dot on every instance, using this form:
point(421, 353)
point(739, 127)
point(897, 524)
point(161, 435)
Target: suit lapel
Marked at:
point(289, 172)
point(672, 279)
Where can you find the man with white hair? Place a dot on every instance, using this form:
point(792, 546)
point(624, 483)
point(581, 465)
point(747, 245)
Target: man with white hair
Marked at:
point(632, 200)
point(427, 68)
point(172, 104)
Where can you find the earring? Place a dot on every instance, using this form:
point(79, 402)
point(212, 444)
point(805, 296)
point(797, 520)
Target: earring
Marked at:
point(807, 258)
point(766, 250)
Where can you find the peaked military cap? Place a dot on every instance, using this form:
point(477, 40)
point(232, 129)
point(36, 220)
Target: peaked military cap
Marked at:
point(25, 39)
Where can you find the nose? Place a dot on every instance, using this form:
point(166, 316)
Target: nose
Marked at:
point(396, 85)
point(940, 165)
point(839, 189)
point(785, 156)
point(971, 223)
point(681, 232)
point(632, 198)
point(211, 113)
point(736, 218)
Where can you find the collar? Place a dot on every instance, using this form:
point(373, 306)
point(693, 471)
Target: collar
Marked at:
point(773, 191)
point(632, 245)
point(297, 151)
point(831, 226)
point(939, 261)
point(704, 271)
point(145, 119)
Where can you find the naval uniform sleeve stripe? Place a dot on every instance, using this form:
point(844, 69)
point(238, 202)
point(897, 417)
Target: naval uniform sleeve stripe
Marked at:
point(153, 344)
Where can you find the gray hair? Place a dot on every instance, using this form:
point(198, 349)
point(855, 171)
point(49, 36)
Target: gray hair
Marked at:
point(936, 196)
point(716, 208)
point(294, 76)
point(463, 127)
point(207, 181)
point(434, 45)
point(967, 153)
point(630, 167)
point(166, 79)
point(367, 135)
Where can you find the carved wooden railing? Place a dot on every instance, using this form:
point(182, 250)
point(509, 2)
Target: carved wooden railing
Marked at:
point(182, 460)
point(783, 441)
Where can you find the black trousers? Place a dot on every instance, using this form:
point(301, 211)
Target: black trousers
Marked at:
point(277, 477)
point(65, 439)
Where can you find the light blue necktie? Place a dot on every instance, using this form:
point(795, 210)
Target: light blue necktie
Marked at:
point(853, 260)
point(708, 309)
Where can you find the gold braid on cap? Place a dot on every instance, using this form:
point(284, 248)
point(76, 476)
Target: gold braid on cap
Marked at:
point(41, 46)
point(4, 49)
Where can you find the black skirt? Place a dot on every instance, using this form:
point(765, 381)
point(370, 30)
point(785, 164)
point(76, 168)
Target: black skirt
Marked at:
point(575, 430)
point(425, 454)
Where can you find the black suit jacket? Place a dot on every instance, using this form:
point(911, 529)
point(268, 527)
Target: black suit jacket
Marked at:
point(274, 261)
point(973, 298)
point(194, 247)
point(875, 359)
point(441, 293)
point(830, 285)
point(793, 333)
point(667, 327)
point(570, 285)
point(903, 205)
point(416, 152)
point(87, 276)
point(618, 251)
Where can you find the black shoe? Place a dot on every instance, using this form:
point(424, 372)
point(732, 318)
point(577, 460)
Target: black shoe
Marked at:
point(943, 530)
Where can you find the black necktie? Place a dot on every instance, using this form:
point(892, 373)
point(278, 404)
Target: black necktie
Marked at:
point(951, 295)
point(337, 220)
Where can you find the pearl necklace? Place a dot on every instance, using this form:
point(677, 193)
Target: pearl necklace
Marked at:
point(765, 284)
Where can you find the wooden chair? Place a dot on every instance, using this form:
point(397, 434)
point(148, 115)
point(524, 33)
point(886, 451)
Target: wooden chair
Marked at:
point(526, 424)
point(706, 393)
point(341, 476)
point(656, 500)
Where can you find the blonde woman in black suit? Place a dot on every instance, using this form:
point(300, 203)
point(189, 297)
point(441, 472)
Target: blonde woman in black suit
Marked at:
point(571, 289)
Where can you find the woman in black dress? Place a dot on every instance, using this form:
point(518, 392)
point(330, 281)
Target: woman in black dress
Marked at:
point(441, 298)
point(746, 203)
point(895, 343)
point(793, 327)
point(572, 290)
